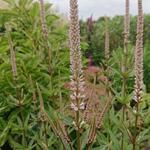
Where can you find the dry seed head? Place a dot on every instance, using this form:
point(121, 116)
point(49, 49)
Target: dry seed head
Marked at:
point(63, 131)
point(100, 116)
point(42, 116)
point(138, 67)
point(33, 89)
point(92, 135)
point(77, 80)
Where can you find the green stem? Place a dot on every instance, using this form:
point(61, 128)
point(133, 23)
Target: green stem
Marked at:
point(136, 126)
point(24, 142)
point(45, 132)
point(109, 120)
point(78, 130)
point(134, 145)
point(123, 117)
point(124, 88)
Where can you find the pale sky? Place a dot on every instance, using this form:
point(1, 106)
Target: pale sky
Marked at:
point(99, 8)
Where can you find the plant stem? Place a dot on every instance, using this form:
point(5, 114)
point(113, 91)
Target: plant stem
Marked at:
point(45, 132)
point(89, 147)
point(124, 90)
point(24, 142)
point(78, 118)
point(136, 126)
point(109, 119)
point(125, 60)
point(123, 117)
point(56, 131)
point(133, 146)
point(136, 118)
point(78, 130)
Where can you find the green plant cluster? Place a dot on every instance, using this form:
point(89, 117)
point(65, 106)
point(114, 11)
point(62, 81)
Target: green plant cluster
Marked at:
point(20, 124)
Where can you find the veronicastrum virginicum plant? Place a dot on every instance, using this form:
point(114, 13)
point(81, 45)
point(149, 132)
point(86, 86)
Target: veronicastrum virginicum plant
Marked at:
point(78, 93)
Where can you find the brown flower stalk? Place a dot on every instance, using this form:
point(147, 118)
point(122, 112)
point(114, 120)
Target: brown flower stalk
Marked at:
point(138, 66)
point(42, 110)
point(34, 97)
point(64, 133)
point(101, 115)
point(58, 128)
point(97, 123)
point(43, 21)
point(90, 24)
point(107, 53)
point(12, 53)
point(45, 33)
point(90, 29)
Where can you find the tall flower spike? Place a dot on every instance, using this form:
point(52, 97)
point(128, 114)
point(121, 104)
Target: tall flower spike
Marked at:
point(90, 24)
point(139, 55)
point(106, 38)
point(77, 81)
point(43, 21)
point(126, 25)
point(126, 43)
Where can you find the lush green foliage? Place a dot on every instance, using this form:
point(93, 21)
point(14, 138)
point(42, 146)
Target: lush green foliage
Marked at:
point(19, 104)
